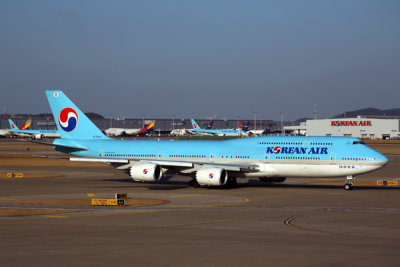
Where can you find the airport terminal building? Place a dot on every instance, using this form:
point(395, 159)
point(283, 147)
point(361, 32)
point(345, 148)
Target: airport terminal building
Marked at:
point(365, 128)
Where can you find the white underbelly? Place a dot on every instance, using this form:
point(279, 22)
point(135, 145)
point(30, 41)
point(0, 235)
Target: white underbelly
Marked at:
point(308, 170)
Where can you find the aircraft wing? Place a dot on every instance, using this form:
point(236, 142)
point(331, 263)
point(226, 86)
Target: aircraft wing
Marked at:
point(127, 163)
point(191, 164)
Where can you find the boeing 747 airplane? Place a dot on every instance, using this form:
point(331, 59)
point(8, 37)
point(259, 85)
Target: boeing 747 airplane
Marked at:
point(218, 132)
point(34, 134)
point(212, 163)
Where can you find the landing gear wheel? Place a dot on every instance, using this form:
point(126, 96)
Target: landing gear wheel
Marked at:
point(194, 183)
point(348, 186)
point(231, 183)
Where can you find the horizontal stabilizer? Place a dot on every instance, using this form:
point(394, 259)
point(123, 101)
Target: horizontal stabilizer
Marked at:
point(74, 147)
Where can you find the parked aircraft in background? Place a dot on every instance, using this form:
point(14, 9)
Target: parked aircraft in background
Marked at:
point(26, 125)
point(183, 132)
point(212, 163)
point(6, 132)
point(218, 132)
point(34, 134)
point(147, 129)
point(266, 131)
point(210, 125)
point(123, 131)
point(179, 132)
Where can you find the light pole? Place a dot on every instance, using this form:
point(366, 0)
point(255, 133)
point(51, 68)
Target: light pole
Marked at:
point(281, 123)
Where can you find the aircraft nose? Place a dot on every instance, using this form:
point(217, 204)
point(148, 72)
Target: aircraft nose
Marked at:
point(383, 159)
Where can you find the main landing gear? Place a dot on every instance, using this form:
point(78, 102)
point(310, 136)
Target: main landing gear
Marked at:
point(231, 183)
point(194, 183)
point(349, 184)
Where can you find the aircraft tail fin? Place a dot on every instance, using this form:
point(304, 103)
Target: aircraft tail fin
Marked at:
point(245, 127)
point(267, 130)
point(210, 125)
point(13, 126)
point(71, 122)
point(148, 128)
point(26, 125)
point(195, 125)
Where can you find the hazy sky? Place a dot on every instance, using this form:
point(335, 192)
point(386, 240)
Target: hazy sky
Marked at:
point(201, 58)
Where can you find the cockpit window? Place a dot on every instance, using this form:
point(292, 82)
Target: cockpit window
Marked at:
point(358, 143)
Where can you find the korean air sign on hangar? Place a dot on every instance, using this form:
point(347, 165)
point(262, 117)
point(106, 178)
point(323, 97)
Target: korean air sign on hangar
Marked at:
point(350, 123)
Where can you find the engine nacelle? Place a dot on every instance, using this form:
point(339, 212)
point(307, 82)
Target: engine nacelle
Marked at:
point(212, 176)
point(146, 172)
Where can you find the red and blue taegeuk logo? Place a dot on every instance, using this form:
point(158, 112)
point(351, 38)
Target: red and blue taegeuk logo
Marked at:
point(211, 175)
point(277, 149)
point(68, 119)
point(145, 171)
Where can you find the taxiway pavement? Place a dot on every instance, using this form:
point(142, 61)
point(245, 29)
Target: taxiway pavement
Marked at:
point(302, 222)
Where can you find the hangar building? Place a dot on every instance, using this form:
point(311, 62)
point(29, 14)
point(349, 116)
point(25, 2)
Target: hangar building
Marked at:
point(366, 128)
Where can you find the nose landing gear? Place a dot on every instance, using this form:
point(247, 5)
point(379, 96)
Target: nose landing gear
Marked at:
point(349, 184)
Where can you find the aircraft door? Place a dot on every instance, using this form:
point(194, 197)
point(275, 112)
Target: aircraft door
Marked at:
point(306, 143)
point(212, 155)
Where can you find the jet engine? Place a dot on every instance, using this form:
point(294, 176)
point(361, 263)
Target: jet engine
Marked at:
point(146, 172)
point(212, 177)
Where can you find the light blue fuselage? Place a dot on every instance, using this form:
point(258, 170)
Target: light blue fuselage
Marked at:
point(328, 156)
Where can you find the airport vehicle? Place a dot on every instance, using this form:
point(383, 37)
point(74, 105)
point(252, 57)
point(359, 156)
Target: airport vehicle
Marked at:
point(123, 131)
point(34, 134)
point(212, 163)
point(218, 132)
